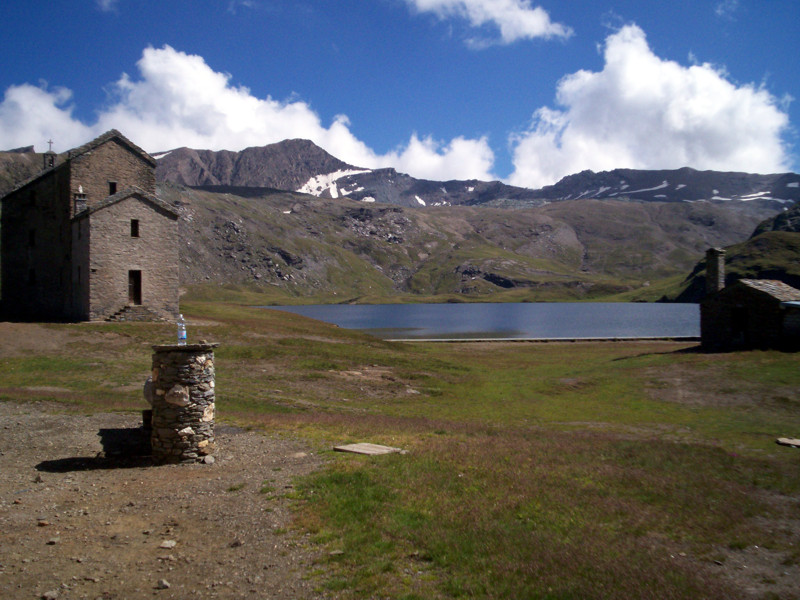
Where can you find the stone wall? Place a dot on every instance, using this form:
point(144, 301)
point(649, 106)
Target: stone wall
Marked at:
point(739, 317)
point(115, 252)
point(183, 403)
point(80, 270)
point(110, 162)
point(35, 249)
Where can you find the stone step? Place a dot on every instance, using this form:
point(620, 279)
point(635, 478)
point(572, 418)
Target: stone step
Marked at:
point(133, 312)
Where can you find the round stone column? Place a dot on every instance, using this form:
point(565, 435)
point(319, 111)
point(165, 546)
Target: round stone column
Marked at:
point(183, 403)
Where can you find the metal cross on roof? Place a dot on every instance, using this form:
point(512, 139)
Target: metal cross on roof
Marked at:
point(50, 141)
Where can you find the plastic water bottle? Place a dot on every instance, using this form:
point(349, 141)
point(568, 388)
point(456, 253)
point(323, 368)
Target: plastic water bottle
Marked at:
point(181, 331)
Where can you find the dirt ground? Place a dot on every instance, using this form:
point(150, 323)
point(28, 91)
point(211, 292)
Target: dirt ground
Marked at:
point(77, 520)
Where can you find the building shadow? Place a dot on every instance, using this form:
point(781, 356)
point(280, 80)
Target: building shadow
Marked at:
point(698, 349)
point(122, 449)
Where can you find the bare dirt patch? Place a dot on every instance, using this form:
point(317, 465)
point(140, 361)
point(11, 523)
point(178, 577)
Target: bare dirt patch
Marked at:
point(80, 521)
point(757, 571)
point(710, 388)
point(20, 339)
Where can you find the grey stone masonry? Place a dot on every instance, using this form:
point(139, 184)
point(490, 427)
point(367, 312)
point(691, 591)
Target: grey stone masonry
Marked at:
point(715, 270)
point(183, 403)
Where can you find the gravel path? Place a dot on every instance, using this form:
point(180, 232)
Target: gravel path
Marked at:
point(80, 520)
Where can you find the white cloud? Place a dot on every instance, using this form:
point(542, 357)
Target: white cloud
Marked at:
point(644, 112)
point(429, 159)
point(178, 100)
point(515, 19)
point(31, 115)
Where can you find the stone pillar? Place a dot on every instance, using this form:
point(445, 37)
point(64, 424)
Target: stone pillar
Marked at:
point(715, 270)
point(183, 403)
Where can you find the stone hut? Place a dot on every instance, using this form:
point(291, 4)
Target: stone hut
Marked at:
point(89, 239)
point(751, 313)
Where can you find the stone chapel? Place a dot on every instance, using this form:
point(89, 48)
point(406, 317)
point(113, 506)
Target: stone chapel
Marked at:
point(89, 239)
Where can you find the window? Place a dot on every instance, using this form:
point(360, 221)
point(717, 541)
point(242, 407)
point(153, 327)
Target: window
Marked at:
point(112, 188)
point(134, 228)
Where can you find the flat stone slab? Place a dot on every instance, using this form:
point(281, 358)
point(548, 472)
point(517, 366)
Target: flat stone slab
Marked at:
point(793, 442)
point(199, 347)
point(365, 448)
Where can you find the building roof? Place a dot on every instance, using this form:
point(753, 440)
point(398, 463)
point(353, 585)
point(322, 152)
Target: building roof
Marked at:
point(123, 195)
point(110, 135)
point(777, 289)
point(88, 147)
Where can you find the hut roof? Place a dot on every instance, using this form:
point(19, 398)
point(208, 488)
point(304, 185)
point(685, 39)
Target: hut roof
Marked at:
point(777, 289)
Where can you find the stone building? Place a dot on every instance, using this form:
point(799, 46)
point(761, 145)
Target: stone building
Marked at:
point(89, 239)
point(750, 313)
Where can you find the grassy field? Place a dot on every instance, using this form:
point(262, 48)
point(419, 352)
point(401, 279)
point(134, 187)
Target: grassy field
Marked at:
point(625, 470)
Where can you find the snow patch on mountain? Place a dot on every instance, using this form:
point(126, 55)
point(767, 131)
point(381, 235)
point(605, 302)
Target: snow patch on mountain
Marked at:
point(664, 184)
point(318, 184)
point(753, 196)
point(420, 201)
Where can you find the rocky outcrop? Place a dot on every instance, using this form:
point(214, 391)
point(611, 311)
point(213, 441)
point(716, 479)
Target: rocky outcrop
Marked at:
point(785, 221)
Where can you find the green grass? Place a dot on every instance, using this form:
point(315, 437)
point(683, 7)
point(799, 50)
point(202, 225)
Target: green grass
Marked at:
point(533, 470)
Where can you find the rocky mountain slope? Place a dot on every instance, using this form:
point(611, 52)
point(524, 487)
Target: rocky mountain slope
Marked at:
point(772, 251)
point(284, 166)
point(340, 249)
point(788, 220)
point(18, 165)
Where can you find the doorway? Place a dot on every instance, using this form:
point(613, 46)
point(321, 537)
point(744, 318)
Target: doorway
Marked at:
point(135, 287)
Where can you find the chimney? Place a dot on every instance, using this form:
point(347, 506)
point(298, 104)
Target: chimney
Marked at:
point(79, 200)
point(715, 270)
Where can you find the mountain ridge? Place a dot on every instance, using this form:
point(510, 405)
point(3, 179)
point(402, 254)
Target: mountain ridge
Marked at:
point(286, 165)
point(299, 165)
point(302, 166)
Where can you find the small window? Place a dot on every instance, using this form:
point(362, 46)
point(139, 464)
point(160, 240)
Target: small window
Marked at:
point(112, 188)
point(32, 238)
point(135, 228)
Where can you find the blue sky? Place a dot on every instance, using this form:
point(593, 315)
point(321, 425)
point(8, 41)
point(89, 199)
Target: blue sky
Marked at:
point(518, 90)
